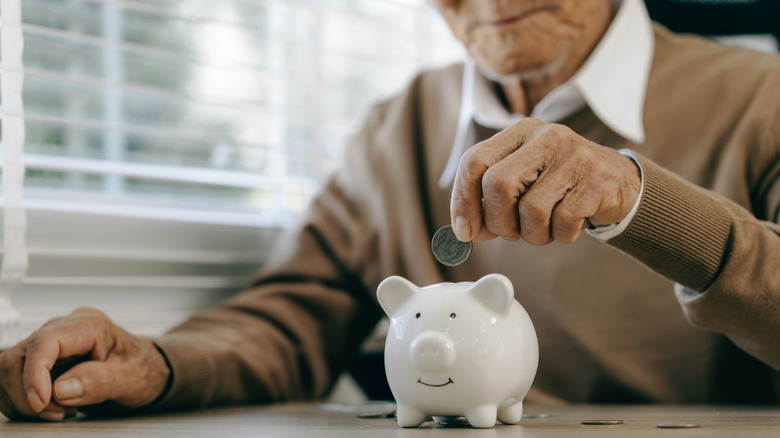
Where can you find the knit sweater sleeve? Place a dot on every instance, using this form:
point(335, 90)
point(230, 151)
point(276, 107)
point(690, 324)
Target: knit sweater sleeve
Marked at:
point(725, 261)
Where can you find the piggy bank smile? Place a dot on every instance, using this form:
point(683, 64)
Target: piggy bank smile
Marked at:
point(449, 380)
point(476, 332)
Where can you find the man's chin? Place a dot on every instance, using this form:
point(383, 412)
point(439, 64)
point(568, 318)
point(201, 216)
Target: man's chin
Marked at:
point(514, 75)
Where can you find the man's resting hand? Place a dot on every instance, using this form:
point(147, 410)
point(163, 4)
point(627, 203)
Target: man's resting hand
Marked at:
point(109, 364)
point(540, 182)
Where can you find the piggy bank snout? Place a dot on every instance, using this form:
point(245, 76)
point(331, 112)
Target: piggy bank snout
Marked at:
point(432, 351)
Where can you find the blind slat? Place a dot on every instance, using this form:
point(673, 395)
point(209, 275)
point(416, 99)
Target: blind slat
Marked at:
point(156, 255)
point(103, 207)
point(298, 113)
point(148, 131)
point(166, 173)
point(188, 282)
point(66, 36)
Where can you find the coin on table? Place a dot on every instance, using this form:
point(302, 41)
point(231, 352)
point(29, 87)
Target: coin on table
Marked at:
point(447, 249)
point(382, 414)
point(452, 421)
point(678, 425)
point(537, 415)
point(601, 422)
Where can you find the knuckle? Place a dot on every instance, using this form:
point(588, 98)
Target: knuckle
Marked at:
point(43, 336)
point(583, 156)
point(530, 123)
point(493, 219)
point(533, 224)
point(501, 226)
point(497, 182)
point(88, 311)
point(37, 338)
point(565, 133)
point(557, 135)
point(53, 322)
point(565, 227)
point(472, 163)
point(532, 214)
point(564, 218)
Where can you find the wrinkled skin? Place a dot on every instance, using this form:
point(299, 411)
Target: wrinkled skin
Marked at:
point(101, 363)
point(541, 42)
point(535, 181)
point(540, 182)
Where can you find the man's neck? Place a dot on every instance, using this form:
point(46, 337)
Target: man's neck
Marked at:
point(524, 92)
point(522, 95)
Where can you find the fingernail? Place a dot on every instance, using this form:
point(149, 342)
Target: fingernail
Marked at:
point(52, 416)
point(35, 401)
point(462, 229)
point(68, 389)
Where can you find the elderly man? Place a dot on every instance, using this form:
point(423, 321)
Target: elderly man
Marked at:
point(584, 115)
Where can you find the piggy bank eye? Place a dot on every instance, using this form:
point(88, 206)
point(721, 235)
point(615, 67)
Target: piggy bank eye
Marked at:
point(418, 315)
point(452, 315)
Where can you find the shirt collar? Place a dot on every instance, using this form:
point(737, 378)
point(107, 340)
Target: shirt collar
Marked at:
point(612, 82)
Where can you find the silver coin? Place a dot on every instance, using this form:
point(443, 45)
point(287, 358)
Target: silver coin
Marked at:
point(537, 415)
point(382, 414)
point(447, 249)
point(452, 421)
point(678, 425)
point(601, 422)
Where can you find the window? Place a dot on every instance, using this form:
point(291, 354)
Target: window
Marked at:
point(167, 141)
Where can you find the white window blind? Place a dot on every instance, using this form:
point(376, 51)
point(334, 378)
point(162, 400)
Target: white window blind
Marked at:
point(165, 142)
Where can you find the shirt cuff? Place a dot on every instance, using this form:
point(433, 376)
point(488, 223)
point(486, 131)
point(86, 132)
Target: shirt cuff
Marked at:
point(609, 231)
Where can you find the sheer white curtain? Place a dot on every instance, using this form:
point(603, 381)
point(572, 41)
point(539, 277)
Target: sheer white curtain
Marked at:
point(14, 264)
point(165, 142)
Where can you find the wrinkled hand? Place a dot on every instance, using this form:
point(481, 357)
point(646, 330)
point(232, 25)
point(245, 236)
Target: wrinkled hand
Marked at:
point(540, 182)
point(110, 365)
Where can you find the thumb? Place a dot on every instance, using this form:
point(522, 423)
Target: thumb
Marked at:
point(88, 383)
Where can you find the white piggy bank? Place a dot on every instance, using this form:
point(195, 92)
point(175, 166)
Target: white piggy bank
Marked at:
point(457, 349)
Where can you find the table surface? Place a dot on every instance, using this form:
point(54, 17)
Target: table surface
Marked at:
point(332, 420)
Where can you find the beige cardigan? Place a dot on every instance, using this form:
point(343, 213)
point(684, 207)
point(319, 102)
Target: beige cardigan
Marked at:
point(610, 329)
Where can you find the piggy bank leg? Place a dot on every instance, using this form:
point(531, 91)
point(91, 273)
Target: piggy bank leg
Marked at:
point(511, 411)
point(482, 416)
point(408, 416)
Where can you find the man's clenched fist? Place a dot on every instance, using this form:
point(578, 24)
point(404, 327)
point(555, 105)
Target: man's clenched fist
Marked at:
point(540, 182)
point(108, 364)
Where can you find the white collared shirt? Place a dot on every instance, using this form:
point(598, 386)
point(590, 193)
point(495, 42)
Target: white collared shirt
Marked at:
point(612, 82)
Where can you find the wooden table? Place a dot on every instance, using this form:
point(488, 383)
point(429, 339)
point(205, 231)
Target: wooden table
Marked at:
point(341, 421)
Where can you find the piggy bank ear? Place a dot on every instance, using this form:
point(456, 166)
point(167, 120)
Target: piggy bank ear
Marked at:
point(495, 292)
point(393, 292)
